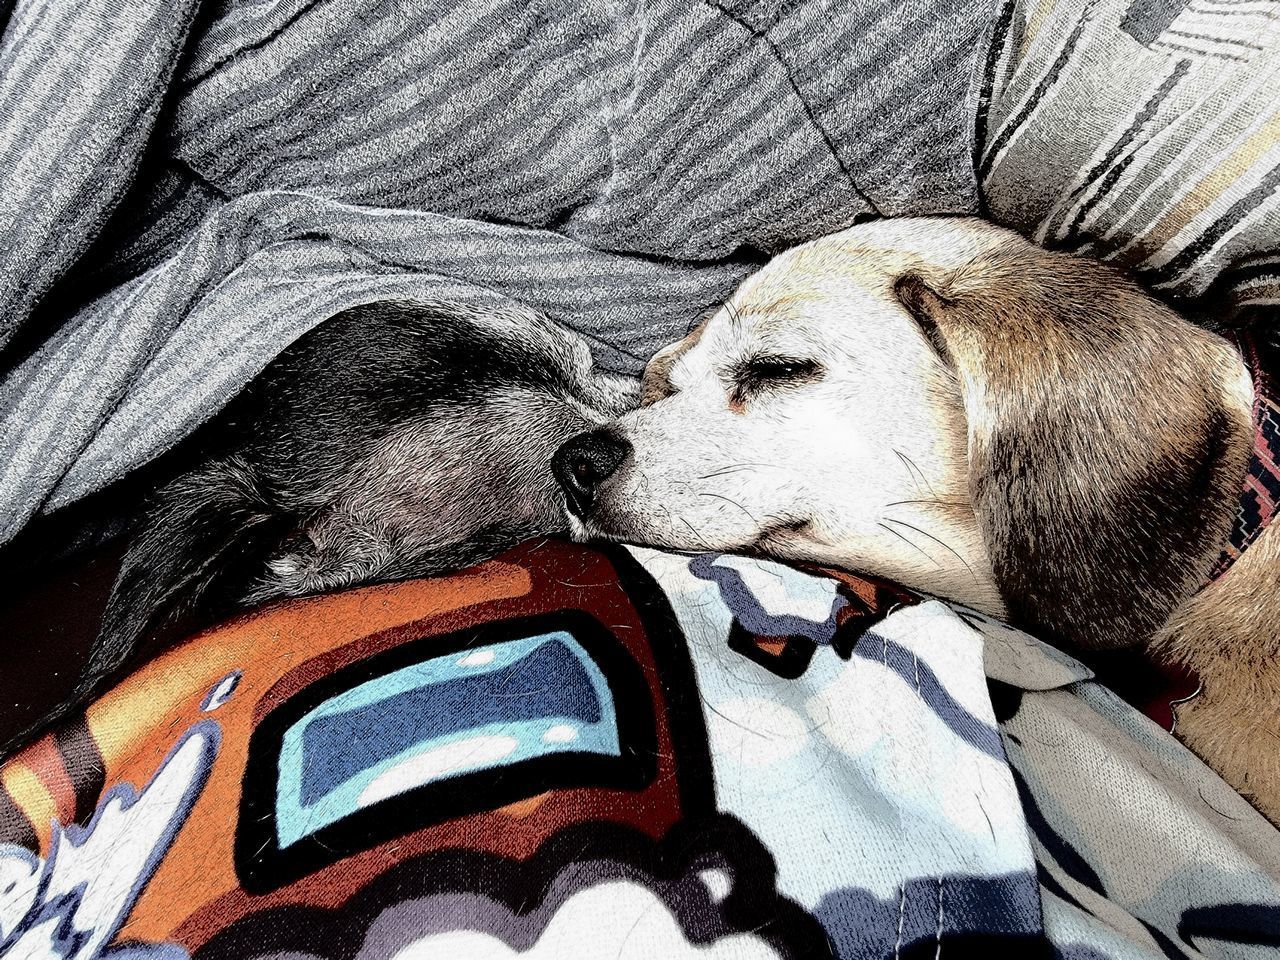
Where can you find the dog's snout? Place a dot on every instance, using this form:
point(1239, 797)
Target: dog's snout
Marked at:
point(586, 461)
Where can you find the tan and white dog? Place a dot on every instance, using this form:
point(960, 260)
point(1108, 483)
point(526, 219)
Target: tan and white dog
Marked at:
point(939, 402)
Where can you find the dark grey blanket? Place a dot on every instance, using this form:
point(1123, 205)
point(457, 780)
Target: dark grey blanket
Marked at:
point(186, 188)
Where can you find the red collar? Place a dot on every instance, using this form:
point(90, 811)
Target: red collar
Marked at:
point(1261, 492)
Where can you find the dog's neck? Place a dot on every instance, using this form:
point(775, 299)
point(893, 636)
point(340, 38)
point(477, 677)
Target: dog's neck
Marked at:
point(1260, 492)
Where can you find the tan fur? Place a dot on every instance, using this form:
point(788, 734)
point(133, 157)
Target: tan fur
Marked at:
point(1229, 634)
point(1091, 407)
point(1086, 453)
point(656, 383)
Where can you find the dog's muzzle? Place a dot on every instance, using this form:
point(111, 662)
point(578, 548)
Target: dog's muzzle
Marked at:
point(584, 462)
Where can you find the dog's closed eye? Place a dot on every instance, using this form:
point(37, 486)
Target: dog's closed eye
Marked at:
point(766, 372)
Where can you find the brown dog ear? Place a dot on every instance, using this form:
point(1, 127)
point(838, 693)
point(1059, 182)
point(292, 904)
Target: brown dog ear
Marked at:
point(927, 307)
point(1105, 453)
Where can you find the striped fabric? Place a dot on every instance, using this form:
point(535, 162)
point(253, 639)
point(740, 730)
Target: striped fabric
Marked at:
point(179, 199)
point(66, 160)
point(1146, 133)
point(619, 165)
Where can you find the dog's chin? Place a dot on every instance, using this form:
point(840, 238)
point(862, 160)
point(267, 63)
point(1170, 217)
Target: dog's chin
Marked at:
point(778, 537)
point(593, 529)
point(782, 540)
point(589, 531)
point(581, 530)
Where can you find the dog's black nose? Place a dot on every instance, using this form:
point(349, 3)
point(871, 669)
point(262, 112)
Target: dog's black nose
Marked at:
point(586, 461)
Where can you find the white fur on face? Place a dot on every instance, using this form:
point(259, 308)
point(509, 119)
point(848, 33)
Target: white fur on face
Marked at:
point(861, 466)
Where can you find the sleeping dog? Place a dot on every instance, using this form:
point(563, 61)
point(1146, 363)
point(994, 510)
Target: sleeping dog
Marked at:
point(939, 402)
point(394, 440)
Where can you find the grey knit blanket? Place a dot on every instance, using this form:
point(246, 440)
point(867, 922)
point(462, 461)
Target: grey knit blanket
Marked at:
point(185, 188)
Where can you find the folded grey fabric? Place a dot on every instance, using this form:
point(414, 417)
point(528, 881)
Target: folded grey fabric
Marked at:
point(80, 88)
point(621, 166)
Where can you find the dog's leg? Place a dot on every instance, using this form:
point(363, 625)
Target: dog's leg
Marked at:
point(340, 548)
point(1229, 634)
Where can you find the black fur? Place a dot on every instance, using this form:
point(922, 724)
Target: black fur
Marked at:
point(329, 465)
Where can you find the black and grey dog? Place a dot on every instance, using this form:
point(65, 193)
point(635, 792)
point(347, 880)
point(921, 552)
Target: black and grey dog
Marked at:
point(394, 440)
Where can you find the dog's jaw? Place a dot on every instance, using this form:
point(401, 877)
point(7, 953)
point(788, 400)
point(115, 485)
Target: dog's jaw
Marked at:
point(579, 530)
point(777, 535)
point(935, 556)
point(956, 567)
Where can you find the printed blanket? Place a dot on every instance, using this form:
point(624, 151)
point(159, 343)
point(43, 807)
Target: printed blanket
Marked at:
point(565, 753)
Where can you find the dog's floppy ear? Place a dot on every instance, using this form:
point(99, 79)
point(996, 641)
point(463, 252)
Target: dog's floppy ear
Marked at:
point(928, 308)
point(1104, 455)
point(213, 518)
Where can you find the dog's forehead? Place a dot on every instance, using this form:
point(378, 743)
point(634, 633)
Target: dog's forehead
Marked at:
point(793, 318)
point(831, 291)
point(800, 314)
